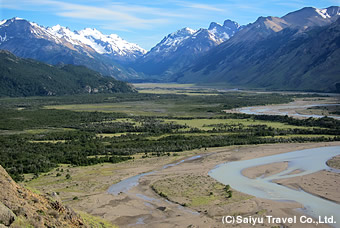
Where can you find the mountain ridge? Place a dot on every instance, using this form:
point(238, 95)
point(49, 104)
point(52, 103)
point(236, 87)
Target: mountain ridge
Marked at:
point(229, 53)
point(262, 55)
point(179, 48)
point(28, 77)
point(30, 40)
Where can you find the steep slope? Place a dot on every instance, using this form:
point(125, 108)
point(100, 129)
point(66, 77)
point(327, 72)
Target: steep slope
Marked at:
point(60, 45)
point(299, 51)
point(23, 208)
point(182, 47)
point(27, 77)
point(20, 207)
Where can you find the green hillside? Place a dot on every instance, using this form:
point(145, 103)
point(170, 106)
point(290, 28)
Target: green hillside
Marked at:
point(27, 77)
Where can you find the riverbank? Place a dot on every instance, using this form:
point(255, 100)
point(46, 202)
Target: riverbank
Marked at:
point(143, 207)
point(300, 108)
point(323, 184)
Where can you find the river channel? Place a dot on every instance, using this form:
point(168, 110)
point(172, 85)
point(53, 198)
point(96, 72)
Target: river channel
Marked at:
point(282, 110)
point(308, 161)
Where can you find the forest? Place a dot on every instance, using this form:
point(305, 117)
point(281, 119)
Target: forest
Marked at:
point(37, 134)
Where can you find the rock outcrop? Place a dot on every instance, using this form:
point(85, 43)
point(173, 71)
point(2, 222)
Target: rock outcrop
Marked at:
point(20, 207)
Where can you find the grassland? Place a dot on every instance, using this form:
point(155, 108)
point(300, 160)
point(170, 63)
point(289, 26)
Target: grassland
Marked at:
point(179, 89)
point(35, 131)
point(174, 100)
point(108, 135)
point(95, 221)
point(161, 125)
point(86, 130)
point(141, 86)
point(206, 124)
point(196, 191)
point(179, 92)
point(142, 108)
point(85, 181)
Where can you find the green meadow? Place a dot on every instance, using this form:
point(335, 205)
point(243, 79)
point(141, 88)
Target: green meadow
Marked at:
point(39, 133)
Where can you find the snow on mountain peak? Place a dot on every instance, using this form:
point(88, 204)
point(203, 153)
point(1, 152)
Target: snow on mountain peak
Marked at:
point(175, 38)
point(215, 33)
point(91, 32)
point(192, 31)
point(87, 40)
point(110, 44)
point(102, 44)
point(17, 19)
point(323, 13)
point(57, 28)
point(3, 22)
point(10, 21)
point(220, 33)
point(184, 32)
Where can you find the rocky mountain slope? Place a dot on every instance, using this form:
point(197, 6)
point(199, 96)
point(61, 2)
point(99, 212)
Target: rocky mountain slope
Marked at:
point(58, 44)
point(27, 77)
point(20, 207)
point(299, 51)
point(182, 47)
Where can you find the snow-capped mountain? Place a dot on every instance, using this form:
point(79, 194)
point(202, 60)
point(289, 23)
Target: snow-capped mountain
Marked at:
point(89, 39)
point(216, 33)
point(223, 33)
point(171, 42)
point(310, 16)
point(180, 48)
point(299, 51)
point(111, 45)
point(59, 44)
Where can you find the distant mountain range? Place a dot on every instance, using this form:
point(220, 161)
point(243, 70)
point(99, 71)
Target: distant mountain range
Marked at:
point(58, 44)
point(28, 77)
point(182, 47)
point(110, 54)
point(299, 51)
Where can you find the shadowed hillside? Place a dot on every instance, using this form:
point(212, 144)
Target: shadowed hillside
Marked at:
point(27, 77)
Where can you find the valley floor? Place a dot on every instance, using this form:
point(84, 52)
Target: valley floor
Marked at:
point(299, 108)
point(204, 200)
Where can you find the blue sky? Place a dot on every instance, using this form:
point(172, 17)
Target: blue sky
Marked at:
point(146, 22)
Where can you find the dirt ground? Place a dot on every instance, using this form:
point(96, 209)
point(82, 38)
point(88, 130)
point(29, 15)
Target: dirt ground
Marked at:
point(143, 207)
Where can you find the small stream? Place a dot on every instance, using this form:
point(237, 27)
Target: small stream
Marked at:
point(125, 185)
point(308, 161)
point(128, 183)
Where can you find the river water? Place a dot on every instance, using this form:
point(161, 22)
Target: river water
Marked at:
point(128, 183)
point(309, 161)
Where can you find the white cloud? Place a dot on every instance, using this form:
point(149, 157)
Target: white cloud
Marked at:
point(204, 7)
point(113, 15)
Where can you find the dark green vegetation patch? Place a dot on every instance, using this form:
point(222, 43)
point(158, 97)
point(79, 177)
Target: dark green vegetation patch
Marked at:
point(34, 139)
point(27, 77)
